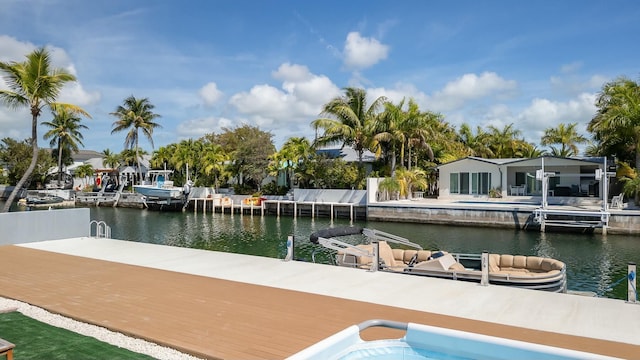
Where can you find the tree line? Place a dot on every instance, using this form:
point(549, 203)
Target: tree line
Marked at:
point(406, 141)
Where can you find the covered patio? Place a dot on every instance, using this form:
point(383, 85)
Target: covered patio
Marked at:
point(560, 180)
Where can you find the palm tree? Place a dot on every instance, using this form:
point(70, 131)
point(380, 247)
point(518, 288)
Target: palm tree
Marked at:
point(419, 127)
point(295, 151)
point(616, 124)
point(135, 115)
point(565, 135)
point(163, 157)
point(531, 151)
point(84, 171)
point(410, 179)
point(388, 137)
point(350, 121)
point(187, 155)
point(111, 159)
point(213, 161)
point(504, 143)
point(476, 144)
point(33, 84)
point(64, 133)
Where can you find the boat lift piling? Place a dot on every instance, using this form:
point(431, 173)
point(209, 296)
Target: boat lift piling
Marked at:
point(602, 216)
point(632, 293)
point(484, 280)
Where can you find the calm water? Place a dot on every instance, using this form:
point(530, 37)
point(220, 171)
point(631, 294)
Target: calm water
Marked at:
point(594, 262)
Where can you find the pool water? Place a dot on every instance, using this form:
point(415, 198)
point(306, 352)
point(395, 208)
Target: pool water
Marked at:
point(431, 343)
point(393, 349)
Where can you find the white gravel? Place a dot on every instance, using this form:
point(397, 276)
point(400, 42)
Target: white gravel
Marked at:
point(100, 333)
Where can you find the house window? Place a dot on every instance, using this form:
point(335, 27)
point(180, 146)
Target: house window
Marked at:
point(464, 183)
point(480, 183)
point(469, 183)
point(453, 183)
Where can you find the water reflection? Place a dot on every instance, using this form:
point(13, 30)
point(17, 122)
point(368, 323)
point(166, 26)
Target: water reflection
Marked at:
point(594, 262)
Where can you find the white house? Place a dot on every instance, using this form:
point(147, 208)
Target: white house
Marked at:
point(474, 177)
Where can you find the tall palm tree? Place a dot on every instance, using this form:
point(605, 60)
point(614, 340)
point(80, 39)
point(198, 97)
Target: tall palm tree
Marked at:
point(567, 136)
point(213, 161)
point(187, 156)
point(504, 142)
point(388, 135)
point(163, 157)
point(135, 115)
point(616, 124)
point(475, 144)
point(33, 84)
point(421, 128)
point(531, 151)
point(349, 120)
point(64, 132)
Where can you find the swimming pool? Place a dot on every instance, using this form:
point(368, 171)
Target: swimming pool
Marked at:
point(431, 343)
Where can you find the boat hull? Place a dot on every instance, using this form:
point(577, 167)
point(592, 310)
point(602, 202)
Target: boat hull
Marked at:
point(173, 193)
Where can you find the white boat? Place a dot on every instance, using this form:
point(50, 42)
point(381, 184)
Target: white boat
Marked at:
point(159, 186)
point(531, 272)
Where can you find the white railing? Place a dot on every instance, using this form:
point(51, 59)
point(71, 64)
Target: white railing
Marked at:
point(102, 229)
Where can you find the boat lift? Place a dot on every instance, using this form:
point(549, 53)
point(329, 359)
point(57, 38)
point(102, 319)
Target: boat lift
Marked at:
point(600, 218)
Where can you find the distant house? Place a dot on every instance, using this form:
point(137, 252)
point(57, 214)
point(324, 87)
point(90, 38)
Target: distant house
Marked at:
point(474, 177)
point(349, 155)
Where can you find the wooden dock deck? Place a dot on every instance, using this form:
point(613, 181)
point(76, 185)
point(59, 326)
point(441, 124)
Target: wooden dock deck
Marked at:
point(221, 319)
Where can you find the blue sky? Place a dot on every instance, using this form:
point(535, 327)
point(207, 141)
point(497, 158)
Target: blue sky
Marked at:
point(273, 64)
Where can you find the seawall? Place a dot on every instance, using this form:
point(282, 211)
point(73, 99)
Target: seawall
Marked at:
point(511, 216)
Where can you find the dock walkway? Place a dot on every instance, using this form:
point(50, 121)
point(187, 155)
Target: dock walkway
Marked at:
point(231, 306)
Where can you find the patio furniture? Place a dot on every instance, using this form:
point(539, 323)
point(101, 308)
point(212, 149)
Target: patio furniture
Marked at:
point(616, 201)
point(6, 348)
point(517, 190)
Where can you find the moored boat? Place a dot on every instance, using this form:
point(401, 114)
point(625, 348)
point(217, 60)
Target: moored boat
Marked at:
point(159, 185)
point(531, 272)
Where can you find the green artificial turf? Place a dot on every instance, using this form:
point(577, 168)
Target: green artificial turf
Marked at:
point(37, 340)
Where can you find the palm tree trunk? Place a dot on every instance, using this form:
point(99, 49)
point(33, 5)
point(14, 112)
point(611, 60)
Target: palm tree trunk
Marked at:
point(393, 162)
point(32, 165)
point(138, 161)
point(59, 162)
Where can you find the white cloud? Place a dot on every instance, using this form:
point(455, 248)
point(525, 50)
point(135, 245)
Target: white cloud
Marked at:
point(361, 52)
point(300, 98)
point(398, 92)
point(572, 67)
point(470, 87)
point(575, 85)
point(292, 73)
point(74, 93)
point(543, 113)
point(196, 128)
point(210, 94)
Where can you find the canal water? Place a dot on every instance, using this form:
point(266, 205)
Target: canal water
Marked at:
point(595, 262)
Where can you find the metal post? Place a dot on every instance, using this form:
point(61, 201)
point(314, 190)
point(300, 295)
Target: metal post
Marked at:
point(375, 261)
point(290, 240)
point(632, 293)
point(605, 180)
point(484, 281)
point(545, 184)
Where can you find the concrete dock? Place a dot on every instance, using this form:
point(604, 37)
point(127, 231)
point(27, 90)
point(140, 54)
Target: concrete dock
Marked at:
point(604, 326)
